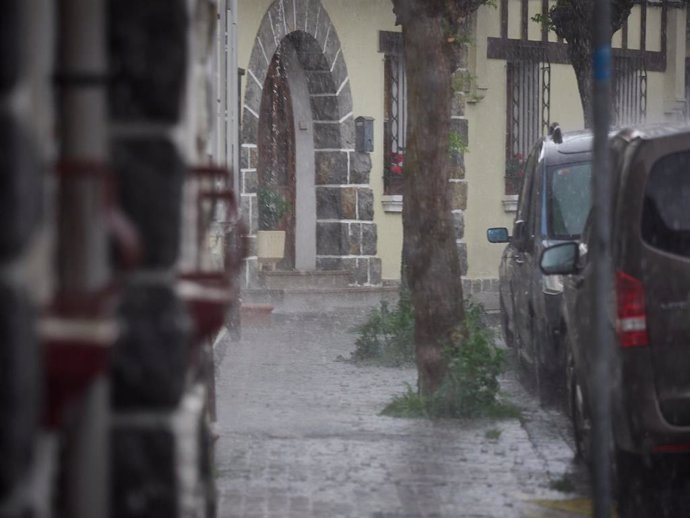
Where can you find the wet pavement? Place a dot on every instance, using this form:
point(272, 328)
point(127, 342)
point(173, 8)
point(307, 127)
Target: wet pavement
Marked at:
point(300, 435)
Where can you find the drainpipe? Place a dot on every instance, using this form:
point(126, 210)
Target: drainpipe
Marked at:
point(82, 247)
point(601, 187)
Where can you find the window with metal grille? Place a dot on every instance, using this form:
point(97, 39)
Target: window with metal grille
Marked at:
point(629, 91)
point(395, 122)
point(687, 88)
point(529, 97)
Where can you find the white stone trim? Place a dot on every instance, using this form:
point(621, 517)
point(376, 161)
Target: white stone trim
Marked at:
point(348, 221)
point(246, 107)
point(349, 168)
point(335, 60)
point(263, 50)
point(510, 202)
point(270, 22)
point(346, 257)
point(249, 71)
point(282, 8)
point(316, 25)
point(294, 16)
point(343, 185)
point(328, 33)
point(340, 89)
point(392, 203)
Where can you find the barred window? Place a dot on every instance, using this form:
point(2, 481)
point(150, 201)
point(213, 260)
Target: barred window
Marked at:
point(529, 97)
point(687, 88)
point(629, 91)
point(395, 111)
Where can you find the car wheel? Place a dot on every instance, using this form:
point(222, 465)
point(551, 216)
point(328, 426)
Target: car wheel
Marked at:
point(543, 377)
point(579, 410)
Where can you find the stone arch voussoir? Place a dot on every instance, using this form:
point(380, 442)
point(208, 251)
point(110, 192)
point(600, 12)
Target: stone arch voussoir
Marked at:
point(345, 233)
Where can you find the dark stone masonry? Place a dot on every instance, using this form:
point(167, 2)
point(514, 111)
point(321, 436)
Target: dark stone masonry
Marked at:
point(345, 232)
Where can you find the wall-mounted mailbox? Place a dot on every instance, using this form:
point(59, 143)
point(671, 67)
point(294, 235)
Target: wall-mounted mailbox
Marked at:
point(364, 134)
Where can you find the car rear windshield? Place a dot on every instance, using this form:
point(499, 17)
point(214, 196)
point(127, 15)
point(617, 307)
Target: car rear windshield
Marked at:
point(569, 199)
point(666, 213)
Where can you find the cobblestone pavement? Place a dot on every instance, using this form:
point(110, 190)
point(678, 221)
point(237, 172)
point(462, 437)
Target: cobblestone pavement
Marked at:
point(301, 436)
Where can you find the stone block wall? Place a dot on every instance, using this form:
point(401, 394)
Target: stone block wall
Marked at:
point(159, 417)
point(160, 467)
point(152, 380)
point(346, 235)
point(458, 182)
point(345, 230)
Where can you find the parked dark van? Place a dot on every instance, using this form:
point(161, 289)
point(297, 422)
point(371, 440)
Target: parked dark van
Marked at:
point(552, 207)
point(650, 251)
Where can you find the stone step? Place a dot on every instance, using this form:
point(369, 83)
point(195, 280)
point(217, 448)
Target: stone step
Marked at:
point(294, 280)
point(313, 300)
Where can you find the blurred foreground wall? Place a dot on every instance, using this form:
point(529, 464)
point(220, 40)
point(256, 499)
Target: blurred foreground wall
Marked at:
point(117, 267)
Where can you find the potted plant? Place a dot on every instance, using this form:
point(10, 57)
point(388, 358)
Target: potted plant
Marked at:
point(270, 241)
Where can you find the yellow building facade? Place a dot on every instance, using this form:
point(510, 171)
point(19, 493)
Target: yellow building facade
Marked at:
point(515, 71)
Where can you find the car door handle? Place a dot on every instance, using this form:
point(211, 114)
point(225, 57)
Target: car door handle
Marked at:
point(519, 259)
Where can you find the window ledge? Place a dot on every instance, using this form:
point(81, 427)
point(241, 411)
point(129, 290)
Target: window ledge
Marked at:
point(392, 202)
point(510, 202)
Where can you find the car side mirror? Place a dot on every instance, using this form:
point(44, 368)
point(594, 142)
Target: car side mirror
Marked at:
point(497, 235)
point(560, 259)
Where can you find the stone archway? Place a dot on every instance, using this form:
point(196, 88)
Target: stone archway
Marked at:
point(334, 201)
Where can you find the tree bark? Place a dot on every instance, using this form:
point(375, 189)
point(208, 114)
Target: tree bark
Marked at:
point(572, 20)
point(580, 53)
point(433, 268)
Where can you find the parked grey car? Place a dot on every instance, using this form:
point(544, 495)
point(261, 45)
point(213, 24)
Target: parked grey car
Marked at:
point(650, 310)
point(552, 207)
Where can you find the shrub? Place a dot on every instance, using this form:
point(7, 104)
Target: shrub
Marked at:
point(272, 208)
point(387, 337)
point(471, 387)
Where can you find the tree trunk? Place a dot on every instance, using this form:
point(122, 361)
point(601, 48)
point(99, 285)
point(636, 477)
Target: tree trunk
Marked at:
point(580, 53)
point(572, 21)
point(433, 269)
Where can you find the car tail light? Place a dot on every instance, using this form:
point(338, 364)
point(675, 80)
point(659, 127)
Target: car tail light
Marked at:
point(631, 324)
point(672, 448)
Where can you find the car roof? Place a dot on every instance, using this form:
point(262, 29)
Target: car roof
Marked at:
point(577, 145)
point(574, 146)
point(653, 131)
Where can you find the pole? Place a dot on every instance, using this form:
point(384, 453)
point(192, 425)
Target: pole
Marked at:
point(82, 248)
point(82, 240)
point(603, 338)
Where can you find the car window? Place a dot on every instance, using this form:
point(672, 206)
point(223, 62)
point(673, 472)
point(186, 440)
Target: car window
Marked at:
point(665, 214)
point(569, 199)
point(525, 203)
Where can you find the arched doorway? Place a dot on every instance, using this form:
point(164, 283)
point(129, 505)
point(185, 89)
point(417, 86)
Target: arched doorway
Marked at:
point(298, 132)
point(276, 150)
